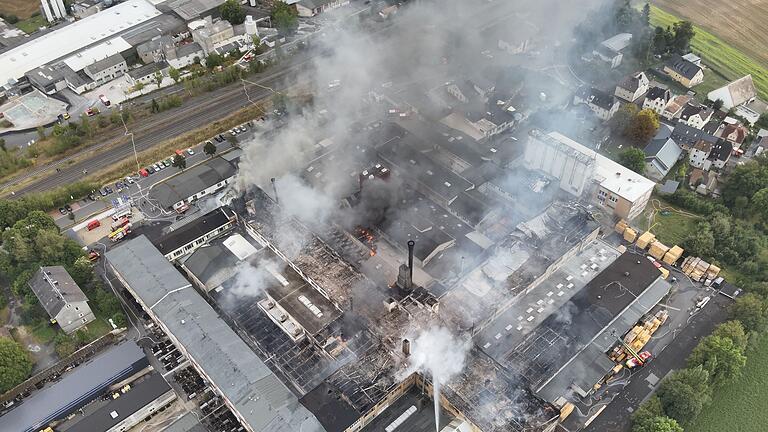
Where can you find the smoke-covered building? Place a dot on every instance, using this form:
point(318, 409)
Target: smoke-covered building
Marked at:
point(589, 175)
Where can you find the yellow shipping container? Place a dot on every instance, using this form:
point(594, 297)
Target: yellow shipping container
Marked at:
point(646, 238)
point(566, 410)
point(630, 235)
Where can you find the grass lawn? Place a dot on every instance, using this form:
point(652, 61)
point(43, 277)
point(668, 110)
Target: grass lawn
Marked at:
point(32, 24)
point(721, 57)
point(43, 331)
point(740, 406)
point(669, 226)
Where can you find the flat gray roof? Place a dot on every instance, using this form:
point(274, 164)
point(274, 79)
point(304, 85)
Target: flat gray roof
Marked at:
point(256, 393)
point(193, 180)
point(75, 389)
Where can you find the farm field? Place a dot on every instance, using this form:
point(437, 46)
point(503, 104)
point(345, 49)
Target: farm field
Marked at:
point(740, 406)
point(732, 60)
point(21, 8)
point(741, 23)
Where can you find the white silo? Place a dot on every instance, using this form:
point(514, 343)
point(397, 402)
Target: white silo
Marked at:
point(47, 10)
point(251, 28)
point(62, 9)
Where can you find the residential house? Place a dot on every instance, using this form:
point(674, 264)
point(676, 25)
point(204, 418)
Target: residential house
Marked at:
point(698, 155)
point(733, 132)
point(310, 8)
point(186, 238)
point(656, 99)
point(661, 154)
point(611, 50)
point(675, 106)
point(462, 90)
point(512, 39)
point(604, 105)
point(696, 115)
point(106, 69)
point(720, 154)
point(703, 182)
point(184, 55)
point(736, 93)
point(686, 136)
point(147, 74)
point(632, 87)
point(683, 71)
point(60, 296)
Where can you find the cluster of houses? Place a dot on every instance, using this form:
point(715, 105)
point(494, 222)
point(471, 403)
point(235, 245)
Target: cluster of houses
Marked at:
point(705, 136)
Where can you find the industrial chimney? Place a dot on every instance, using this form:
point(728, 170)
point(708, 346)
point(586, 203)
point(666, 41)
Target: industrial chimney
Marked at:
point(411, 244)
point(406, 347)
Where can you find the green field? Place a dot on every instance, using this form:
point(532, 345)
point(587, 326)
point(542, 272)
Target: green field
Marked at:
point(722, 58)
point(740, 406)
point(670, 227)
point(32, 24)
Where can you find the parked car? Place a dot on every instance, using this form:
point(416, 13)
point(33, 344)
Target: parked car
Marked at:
point(130, 180)
point(66, 116)
point(103, 192)
point(219, 138)
point(67, 208)
point(150, 169)
point(108, 189)
point(62, 210)
point(190, 151)
point(169, 161)
point(119, 186)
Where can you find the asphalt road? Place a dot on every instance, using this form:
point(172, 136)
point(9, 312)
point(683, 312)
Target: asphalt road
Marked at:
point(617, 416)
point(198, 111)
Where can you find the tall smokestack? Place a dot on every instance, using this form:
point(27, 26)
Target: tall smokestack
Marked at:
point(274, 188)
point(406, 347)
point(411, 244)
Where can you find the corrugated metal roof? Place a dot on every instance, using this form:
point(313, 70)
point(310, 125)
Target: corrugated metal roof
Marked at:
point(244, 380)
point(75, 389)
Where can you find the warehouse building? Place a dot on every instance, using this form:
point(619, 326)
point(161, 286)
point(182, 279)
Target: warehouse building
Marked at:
point(141, 399)
point(259, 400)
point(75, 388)
point(201, 180)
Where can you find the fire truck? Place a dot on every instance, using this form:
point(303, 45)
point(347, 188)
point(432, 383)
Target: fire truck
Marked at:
point(119, 233)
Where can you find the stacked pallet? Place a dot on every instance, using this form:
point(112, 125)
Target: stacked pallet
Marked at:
point(621, 226)
point(639, 335)
point(673, 255)
point(713, 271)
point(658, 250)
point(698, 269)
point(630, 235)
point(645, 239)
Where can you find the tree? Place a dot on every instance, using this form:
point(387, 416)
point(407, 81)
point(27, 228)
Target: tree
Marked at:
point(646, 14)
point(658, 424)
point(716, 105)
point(209, 148)
point(634, 159)
point(2, 145)
point(720, 357)
point(139, 86)
point(213, 60)
point(750, 311)
point(179, 162)
point(684, 393)
point(258, 47)
point(734, 331)
point(232, 12)
point(701, 242)
point(41, 133)
point(158, 78)
point(623, 118)
point(284, 17)
point(683, 33)
point(15, 364)
point(661, 39)
point(155, 106)
point(648, 410)
point(232, 140)
point(174, 74)
point(644, 126)
point(760, 202)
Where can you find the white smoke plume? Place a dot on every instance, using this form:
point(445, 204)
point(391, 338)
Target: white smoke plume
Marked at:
point(252, 279)
point(439, 354)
